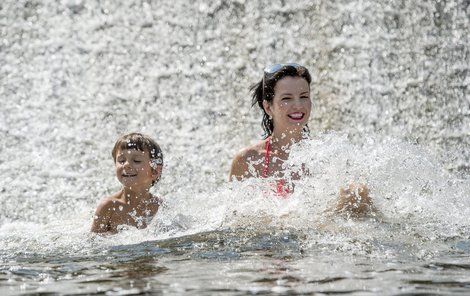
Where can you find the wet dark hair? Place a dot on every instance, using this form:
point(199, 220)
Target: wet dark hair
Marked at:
point(264, 90)
point(142, 143)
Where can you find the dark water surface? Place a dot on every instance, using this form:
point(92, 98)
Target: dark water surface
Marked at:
point(390, 108)
point(239, 263)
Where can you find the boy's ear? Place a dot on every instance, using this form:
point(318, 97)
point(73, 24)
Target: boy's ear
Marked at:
point(157, 172)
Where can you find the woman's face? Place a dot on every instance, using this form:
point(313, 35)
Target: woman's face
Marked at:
point(291, 105)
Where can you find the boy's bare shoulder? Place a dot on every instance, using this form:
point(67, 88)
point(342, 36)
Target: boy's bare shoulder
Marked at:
point(109, 202)
point(156, 200)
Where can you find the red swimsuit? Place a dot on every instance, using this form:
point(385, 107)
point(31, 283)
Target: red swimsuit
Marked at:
point(280, 187)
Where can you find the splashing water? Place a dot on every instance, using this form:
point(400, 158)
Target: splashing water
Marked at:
point(391, 78)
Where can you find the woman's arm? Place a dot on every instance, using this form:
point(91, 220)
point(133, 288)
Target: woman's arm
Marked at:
point(355, 201)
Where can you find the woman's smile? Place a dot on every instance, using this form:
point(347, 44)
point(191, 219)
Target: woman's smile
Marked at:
point(296, 116)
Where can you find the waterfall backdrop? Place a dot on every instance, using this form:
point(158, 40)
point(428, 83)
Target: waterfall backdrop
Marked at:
point(391, 108)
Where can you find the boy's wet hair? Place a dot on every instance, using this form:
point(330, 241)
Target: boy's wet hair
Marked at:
point(264, 90)
point(142, 143)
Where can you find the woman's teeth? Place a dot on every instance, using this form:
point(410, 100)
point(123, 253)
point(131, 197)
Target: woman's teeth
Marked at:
point(296, 115)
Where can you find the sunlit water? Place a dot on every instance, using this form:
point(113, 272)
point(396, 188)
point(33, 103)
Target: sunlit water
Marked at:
point(391, 109)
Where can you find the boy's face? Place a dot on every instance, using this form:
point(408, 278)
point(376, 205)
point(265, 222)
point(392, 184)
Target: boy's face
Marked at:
point(133, 169)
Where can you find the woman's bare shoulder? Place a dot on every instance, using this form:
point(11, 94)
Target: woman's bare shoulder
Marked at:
point(256, 150)
point(242, 159)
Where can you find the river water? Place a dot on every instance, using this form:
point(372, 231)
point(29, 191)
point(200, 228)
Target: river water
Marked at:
point(391, 109)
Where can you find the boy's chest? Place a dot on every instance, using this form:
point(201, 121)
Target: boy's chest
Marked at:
point(138, 217)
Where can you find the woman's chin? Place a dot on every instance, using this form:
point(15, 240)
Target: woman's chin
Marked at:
point(296, 127)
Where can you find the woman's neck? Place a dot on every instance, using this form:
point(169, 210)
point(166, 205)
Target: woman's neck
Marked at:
point(284, 139)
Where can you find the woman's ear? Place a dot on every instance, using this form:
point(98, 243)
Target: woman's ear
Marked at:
point(267, 108)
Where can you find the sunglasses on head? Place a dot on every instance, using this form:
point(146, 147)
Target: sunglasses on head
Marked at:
point(273, 69)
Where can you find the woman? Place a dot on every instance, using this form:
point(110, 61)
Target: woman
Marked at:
point(283, 94)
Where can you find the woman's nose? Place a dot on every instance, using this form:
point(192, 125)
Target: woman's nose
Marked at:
point(298, 103)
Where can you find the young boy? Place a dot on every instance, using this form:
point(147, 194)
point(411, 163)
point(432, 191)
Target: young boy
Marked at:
point(138, 162)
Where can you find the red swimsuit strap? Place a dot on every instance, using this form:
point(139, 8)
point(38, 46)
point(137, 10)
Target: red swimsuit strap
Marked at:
point(266, 158)
point(280, 187)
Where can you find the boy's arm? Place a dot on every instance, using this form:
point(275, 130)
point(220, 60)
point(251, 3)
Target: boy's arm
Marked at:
point(102, 218)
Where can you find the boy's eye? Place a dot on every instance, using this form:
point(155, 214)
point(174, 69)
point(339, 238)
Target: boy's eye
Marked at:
point(121, 161)
point(137, 160)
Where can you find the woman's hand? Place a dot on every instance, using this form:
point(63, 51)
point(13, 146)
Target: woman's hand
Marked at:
point(354, 201)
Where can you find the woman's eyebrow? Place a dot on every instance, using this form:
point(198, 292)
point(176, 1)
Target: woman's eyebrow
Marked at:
point(290, 94)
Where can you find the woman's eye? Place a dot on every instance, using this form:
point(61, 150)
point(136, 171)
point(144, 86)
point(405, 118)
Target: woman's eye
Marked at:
point(137, 161)
point(285, 99)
